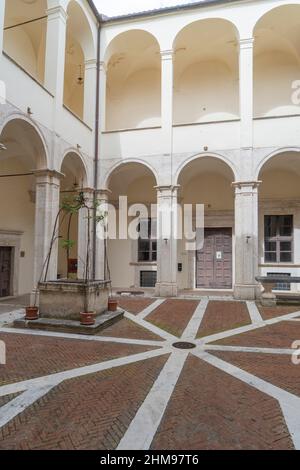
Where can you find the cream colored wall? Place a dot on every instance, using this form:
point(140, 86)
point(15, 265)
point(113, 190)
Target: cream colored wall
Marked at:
point(206, 91)
point(135, 102)
point(274, 74)
point(120, 257)
point(210, 189)
point(280, 184)
point(17, 213)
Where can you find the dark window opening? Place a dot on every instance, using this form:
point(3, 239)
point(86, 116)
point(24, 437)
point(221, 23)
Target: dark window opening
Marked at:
point(148, 278)
point(147, 242)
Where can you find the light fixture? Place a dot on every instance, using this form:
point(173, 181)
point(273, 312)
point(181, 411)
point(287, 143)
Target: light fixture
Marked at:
point(2, 147)
point(29, 111)
point(80, 79)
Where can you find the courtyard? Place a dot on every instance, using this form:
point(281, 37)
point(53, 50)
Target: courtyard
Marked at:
point(131, 387)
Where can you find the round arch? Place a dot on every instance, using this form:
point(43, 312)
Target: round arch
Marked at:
point(123, 163)
point(73, 161)
point(270, 156)
point(200, 156)
point(36, 143)
point(109, 49)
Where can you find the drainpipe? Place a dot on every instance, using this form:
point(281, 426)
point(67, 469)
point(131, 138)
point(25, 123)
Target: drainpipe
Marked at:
point(96, 161)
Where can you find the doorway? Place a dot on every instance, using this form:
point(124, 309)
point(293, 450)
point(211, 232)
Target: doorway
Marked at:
point(5, 271)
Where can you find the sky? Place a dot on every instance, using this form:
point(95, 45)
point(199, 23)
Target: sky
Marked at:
point(123, 7)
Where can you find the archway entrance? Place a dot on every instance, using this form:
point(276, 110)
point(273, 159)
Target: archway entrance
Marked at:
point(21, 153)
point(206, 182)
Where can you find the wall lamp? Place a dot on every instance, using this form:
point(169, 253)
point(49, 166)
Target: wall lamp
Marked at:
point(2, 147)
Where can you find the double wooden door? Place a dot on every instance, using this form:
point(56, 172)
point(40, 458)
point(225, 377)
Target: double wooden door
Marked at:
point(214, 261)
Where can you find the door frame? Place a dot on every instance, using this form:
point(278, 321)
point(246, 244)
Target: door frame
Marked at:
point(11, 271)
point(217, 219)
point(232, 263)
point(12, 239)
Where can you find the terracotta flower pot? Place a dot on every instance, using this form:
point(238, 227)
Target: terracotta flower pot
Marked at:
point(112, 305)
point(87, 318)
point(32, 313)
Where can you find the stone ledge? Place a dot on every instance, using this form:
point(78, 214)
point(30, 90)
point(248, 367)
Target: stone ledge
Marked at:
point(71, 326)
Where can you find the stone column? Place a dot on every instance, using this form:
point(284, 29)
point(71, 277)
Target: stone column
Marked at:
point(46, 212)
point(102, 97)
point(55, 52)
point(90, 77)
point(83, 234)
point(101, 268)
point(167, 217)
point(246, 239)
point(167, 100)
point(246, 92)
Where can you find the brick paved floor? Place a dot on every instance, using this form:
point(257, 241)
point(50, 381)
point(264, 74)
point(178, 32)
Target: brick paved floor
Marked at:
point(33, 356)
point(134, 305)
point(273, 312)
point(189, 400)
point(86, 413)
point(127, 329)
point(173, 315)
point(279, 335)
point(275, 369)
point(211, 410)
point(222, 316)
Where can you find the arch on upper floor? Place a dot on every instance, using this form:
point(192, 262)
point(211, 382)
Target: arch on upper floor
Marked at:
point(206, 72)
point(269, 158)
point(276, 61)
point(80, 49)
point(25, 42)
point(133, 86)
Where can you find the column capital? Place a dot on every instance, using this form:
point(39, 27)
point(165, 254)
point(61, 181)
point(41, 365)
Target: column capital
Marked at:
point(57, 12)
point(103, 194)
point(90, 64)
point(167, 188)
point(167, 54)
point(103, 66)
point(246, 43)
point(245, 188)
point(45, 172)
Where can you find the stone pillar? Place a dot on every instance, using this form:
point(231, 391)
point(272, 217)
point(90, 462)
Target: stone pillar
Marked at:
point(101, 246)
point(2, 17)
point(83, 234)
point(90, 78)
point(102, 96)
point(246, 239)
point(46, 212)
point(167, 216)
point(246, 92)
point(167, 100)
point(55, 52)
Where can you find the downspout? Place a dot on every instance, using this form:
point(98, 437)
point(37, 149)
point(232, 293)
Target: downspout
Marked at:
point(96, 160)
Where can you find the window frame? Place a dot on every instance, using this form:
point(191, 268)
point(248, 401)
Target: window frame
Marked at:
point(151, 242)
point(278, 239)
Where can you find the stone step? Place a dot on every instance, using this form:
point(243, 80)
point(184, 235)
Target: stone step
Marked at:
point(71, 326)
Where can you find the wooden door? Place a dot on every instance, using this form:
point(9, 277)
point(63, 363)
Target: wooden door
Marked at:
point(214, 261)
point(5, 271)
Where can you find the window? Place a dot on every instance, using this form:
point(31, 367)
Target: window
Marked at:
point(148, 278)
point(147, 244)
point(278, 238)
point(281, 285)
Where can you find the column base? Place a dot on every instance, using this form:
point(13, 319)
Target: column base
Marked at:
point(166, 289)
point(246, 291)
